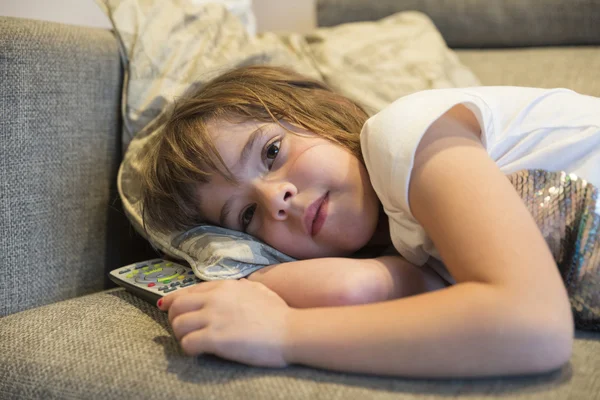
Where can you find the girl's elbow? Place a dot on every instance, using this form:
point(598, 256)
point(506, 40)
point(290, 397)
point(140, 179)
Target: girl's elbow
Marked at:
point(561, 340)
point(564, 351)
point(543, 324)
point(559, 329)
point(550, 335)
point(553, 349)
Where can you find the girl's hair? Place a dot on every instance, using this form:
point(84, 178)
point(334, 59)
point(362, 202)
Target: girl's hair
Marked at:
point(183, 155)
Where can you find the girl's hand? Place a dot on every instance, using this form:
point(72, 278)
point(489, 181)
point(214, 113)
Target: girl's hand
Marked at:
point(240, 320)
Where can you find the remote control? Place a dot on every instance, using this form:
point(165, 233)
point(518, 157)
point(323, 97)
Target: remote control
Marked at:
point(153, 279)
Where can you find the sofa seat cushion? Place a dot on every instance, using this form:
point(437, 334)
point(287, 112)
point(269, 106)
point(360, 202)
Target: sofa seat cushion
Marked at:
point(548, 67)
point(113, 345)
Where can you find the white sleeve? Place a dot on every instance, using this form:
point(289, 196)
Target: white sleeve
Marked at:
point(389, 140)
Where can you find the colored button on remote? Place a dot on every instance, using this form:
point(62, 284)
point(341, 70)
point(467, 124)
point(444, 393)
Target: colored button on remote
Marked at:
point(153, 271)
point(166, 279)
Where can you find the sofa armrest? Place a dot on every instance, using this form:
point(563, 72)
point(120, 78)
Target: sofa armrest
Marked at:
point(59, 153)
point(484, 23)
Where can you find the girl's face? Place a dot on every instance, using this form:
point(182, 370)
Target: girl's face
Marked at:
point(299, 193)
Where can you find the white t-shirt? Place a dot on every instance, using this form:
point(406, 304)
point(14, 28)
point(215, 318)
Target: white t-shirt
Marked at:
point(521, 128)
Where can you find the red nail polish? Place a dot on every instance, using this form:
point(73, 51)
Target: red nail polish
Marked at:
point(159, 303)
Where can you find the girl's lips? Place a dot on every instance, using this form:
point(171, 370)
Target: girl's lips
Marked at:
point(317, 214)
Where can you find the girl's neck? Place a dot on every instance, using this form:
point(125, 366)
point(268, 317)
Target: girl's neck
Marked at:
point(381, 239)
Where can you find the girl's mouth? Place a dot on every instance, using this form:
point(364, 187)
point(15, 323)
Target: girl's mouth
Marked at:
point(320, 215)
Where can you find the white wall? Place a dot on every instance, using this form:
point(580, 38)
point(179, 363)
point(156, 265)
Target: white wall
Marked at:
point(285, 15)
point(271, 15)
point(76, 12)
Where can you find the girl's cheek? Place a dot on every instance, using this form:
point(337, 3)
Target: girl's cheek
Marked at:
point(281, 241)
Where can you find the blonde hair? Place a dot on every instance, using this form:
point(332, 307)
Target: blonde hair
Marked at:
point(184, 155)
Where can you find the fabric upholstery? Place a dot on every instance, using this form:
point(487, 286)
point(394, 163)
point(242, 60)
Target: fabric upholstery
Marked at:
point(575, 68)
point(484, 23)
point(112, 345)
point(59, 153)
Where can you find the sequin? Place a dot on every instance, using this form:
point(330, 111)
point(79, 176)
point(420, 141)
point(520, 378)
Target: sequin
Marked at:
point(566, 210)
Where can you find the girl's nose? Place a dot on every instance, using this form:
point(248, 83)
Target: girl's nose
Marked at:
point(277, 198)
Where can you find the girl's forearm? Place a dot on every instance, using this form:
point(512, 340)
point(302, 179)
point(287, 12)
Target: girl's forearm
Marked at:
point(438, 334)
point(332, 282)
point(325, 282)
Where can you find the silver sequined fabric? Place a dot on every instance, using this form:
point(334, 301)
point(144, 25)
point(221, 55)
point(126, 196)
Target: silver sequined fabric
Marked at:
point(566, 209)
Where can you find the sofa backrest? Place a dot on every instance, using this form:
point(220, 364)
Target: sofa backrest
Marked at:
point(61, 229)
point(484, 23)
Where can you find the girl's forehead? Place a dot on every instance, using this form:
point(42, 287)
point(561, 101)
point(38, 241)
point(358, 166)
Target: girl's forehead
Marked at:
point(221, 127)
point(231, 137)
point(233, 131)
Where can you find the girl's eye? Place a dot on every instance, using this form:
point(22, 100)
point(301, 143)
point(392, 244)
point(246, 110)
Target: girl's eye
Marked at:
point(271, 152)
point(247, 217)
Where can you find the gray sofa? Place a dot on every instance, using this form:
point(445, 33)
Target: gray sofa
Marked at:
point(67, 333)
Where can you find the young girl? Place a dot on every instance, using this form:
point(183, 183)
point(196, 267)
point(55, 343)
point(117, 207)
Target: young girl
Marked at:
point(281, 157)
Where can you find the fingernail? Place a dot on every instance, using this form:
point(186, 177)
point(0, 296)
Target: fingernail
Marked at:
point(159, 303)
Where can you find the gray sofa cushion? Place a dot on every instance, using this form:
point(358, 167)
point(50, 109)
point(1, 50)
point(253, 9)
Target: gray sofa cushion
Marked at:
point(484, 23)
point(112, 345)
point(575, 68)
point(59, 154)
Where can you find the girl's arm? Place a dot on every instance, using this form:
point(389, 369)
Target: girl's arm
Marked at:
point(330, 282)
point(508, 313)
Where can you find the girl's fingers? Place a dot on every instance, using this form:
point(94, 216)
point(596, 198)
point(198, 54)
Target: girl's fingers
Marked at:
point(196, 343)
point(192, 301)
point(187, 323)
point(165, 302)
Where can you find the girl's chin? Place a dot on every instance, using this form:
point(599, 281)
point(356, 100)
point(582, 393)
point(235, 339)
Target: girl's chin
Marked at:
point(320, 253)
point(335, 247)
point(335, 253)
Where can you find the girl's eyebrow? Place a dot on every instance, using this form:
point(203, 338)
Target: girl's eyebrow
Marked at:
point(226, 210)
point(244, 155)
point(246, 151)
